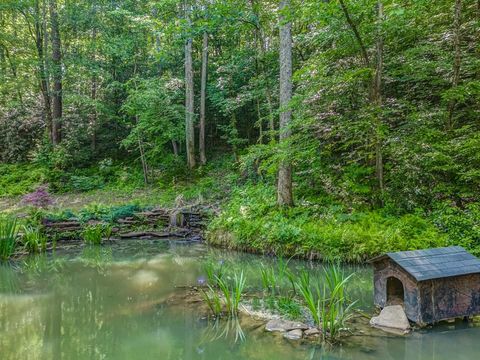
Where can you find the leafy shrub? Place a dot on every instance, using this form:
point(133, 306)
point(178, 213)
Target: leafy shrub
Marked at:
point(40, 198)
point(462, 226)
point(19, 179)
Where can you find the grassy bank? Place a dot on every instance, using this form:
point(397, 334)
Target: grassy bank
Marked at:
point(249, 219)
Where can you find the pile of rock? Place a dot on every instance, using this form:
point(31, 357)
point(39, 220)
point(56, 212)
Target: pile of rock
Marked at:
point(292, 330)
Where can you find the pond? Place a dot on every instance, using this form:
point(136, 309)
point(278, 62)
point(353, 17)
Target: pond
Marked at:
point(124, 301)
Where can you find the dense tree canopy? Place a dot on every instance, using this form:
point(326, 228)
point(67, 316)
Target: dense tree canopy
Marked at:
point(385, 106)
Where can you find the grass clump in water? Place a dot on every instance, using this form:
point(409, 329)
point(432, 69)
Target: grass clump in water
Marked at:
point(33, 239)
point(94, 234)
point(327, 303)
point(223, 297)
point(8, 237)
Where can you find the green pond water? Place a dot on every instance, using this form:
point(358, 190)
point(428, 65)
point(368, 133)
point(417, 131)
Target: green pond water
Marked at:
point(128, 300)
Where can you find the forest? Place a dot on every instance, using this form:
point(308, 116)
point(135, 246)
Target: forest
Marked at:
point(317, 128)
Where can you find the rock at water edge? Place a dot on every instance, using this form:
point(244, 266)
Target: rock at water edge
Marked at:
point(391, 317)
point(284, 325)
point(296, 334)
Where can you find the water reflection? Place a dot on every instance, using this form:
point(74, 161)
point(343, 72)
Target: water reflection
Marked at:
point(124, 302)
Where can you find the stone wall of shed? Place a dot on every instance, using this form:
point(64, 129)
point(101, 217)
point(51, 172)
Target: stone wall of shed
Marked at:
point(386, 268)
point(448, 298)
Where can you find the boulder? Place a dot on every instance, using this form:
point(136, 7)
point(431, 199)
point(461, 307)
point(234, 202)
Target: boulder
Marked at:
point(312, 332)
point(296, 334)
point(284, 325)
point(392, 319)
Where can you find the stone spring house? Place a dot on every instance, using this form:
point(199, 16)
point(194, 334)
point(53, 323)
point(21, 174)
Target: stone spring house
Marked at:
point(432, 285)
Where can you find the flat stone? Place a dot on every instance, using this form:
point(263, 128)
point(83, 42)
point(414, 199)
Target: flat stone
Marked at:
point(312, 332)
point(392, 318)
point(284, 325)
point(296, 334)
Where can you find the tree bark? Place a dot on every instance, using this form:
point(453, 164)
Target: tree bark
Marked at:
point(377, 100)
point(203, 96)
point(57, 106)
point(93, 118)
point(189, 104)
point(284, 185)
point(39, 28)
point(457, 23)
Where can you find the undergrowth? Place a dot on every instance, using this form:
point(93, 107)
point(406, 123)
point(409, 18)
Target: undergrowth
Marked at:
point(252, 221)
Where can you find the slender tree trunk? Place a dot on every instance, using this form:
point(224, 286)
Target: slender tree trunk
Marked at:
point(377, 100)
point(57, 106)
point(375, 89)
point(203, 96)
point(260, 125)
point(356, 33)
point(40, 34)
point(189, 105)
point(284, 186)
point(93, 119)
point(142, 156)
point(457, 23)
point(175, 148)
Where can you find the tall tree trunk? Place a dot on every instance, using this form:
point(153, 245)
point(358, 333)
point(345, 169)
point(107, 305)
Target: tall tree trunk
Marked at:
point(203, 96)
point(457, 23)
point(377, 99)
point(189, 109)
point(93, 116)
point(143, 159)
point(284, 185)
point(40, 34)
point(57, 106)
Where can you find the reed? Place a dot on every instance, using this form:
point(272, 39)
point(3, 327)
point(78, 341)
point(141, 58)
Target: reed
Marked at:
point(33, 239)
point(8, 237)
point(226, 300)
point(94, 234)
point(328, 304)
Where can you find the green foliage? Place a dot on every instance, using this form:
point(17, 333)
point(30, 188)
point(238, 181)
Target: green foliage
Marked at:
point(19, 179)
point(461, 224)
point(33, 239)
point(327, 303)
point(94, 234)
point(8, 237)
point(251, 221)
point(226, 299)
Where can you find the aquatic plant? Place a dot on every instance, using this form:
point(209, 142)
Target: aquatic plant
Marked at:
point(8, 237)
point(227, 299)
point(269, 281)
point(328, 304)
point(33, 239)
point(214, 270)
point(94, 234)
point(213, 300)
point(274, 278)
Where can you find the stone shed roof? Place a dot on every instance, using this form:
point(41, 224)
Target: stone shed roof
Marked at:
point(435, 263)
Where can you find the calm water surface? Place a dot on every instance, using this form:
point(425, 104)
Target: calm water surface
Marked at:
point(116, 302)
